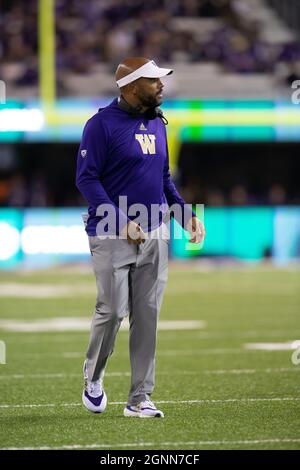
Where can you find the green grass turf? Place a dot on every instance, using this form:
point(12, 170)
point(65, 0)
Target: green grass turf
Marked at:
point(239, 305)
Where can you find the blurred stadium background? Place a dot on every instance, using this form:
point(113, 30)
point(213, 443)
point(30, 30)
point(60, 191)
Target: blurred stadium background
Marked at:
point(234, 139)
point(233, 131)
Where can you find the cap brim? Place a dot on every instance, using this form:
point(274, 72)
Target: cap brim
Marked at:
point(157, 73)
point(148, 70)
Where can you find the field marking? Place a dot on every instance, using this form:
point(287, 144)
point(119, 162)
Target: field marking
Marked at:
point(128, 374)
point(203, 351)
point(42, 291)
point(166, 352)
point(228, 288)
point(246, 442)
point(168, 402)
point(71, 355)
point(268, 370)
point(84, 324)
point(287, 346)
point(58, 376)
point(238, 334)
point(83, 288)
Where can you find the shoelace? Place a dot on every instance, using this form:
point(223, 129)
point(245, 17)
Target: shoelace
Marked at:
point(94, 388)
point(147, 404)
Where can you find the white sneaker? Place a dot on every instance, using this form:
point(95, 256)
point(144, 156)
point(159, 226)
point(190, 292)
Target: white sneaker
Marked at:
point(145, 409)
point(93, 396)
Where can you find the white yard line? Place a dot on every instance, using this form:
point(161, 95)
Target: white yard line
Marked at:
point(252, 371)
point(84, 324)
point(42, 291)
point(287, 346)
point(127, 374)
point(193, 352)
point(238, 334)
point(60, 337)
point(169, 402)
point(82, 288)
point(166, 352)
point(196, 444)
point(58, 376)
point(71, 355)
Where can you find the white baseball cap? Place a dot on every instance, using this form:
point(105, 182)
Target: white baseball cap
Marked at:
point(148, 70)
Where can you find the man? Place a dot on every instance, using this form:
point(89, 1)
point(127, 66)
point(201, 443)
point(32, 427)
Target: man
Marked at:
point(123, 153)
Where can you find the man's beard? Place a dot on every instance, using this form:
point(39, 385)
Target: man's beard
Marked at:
point(150, 101)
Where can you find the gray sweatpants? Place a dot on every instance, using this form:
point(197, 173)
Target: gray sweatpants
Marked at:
point(130, 280)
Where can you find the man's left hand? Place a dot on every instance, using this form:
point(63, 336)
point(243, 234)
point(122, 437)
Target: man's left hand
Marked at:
point(196, 229)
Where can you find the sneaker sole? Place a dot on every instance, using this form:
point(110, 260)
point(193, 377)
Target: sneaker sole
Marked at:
point(131, 414)
point(92, 408)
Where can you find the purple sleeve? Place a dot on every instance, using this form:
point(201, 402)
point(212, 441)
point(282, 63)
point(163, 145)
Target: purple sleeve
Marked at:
point(173, 197)
point(91, 160)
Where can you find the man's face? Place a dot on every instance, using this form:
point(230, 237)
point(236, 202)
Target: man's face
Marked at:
point(149, 91)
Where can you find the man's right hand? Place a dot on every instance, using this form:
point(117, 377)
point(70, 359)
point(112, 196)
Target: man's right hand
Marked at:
point(133, 233)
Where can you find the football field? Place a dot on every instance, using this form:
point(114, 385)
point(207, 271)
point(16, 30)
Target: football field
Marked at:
point(225, 375)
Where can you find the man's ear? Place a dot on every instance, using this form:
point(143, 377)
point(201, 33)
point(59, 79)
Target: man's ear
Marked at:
point(133, 88)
